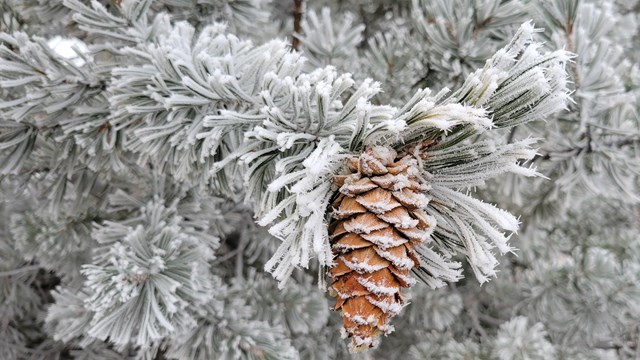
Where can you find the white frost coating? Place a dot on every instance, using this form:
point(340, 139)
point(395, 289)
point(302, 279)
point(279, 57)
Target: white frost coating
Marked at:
point(472, 213)
point(383, 242)
point(323, 89)
point(363, 267)
point(386, 154)
point(362, 228)
point(417, 199)
point(446, 116)
point(375, 288)
point(343, 295)
point(352, 189)
point(317, 226)
point(342, 247)
point(404, 221)
point(388, 307)
point(378, 207)
point(273, 214)
point(306, 231)
point(386, 328)
point(286, 140)
point(409, 280)
point(314, 200)
point(324, 157)
point(364, 342)
point(428, 219)
point(400, 263)
point(366, 163)
point(521, 170)
point(360, 320)
point(395, 126)
point(401, 181)
point(412, 169)
point(502, 218)
point(69, 49)
point(341, 214)
point(481, 259)
point(416, 234)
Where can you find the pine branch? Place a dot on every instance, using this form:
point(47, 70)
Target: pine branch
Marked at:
point(297, 22)
point(205, 110)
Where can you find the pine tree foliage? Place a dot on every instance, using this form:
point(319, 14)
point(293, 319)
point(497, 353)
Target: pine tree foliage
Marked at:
point(167, 169)
point(229, 329)
point(149, 276)
point(325, 45)
point(509, 342)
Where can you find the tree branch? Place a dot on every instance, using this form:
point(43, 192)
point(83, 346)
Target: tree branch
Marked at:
point(297, 23)
point(588, 147)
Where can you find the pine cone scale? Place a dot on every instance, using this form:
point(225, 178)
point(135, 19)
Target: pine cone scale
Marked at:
point(385, 238)
point(351, 241)
point(377, 201)
point(348, 207)
point(365, 223)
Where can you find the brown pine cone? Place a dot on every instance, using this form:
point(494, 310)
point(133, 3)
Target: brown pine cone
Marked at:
point(377, 221)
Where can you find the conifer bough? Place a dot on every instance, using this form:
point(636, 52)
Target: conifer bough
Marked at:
point(382, 225)
point(207, 110)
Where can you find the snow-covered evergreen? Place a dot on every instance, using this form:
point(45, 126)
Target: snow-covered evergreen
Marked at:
point(167, 169)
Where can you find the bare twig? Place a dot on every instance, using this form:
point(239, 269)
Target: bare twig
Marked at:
point(512, 134)
point(489, 319)
point(607, 345)
point(568, 31)
point(471, 304)
point(297, 23)
point(629, 141)
point(240, 256)
point(225, 257)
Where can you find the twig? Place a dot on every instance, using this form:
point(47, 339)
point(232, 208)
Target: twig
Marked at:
point(489, 319)
point(225, 257)
point(588, 147)
point(588, 135)
point(471, 304)
point(297, 23)
point(607, 345)
point(240, 256)
point(512, 134)
point(20, 270)
point(476, 324)
point(480, 26)
point(160, 355)
point(568, 31)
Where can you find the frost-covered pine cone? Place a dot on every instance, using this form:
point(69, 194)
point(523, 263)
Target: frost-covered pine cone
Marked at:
point(378, 218)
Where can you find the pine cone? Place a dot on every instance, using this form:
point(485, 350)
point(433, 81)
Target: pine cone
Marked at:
point(377, 221)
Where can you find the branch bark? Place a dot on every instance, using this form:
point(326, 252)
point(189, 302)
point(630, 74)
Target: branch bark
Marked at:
point(297, 23)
